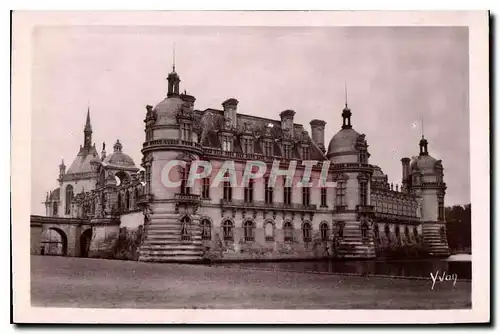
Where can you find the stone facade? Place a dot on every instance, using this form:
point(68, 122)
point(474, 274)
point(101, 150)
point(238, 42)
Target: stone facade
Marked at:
point(361, 217)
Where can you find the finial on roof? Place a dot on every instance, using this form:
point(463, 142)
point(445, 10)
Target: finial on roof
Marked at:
point(173, 58)
point(345, 92)
point(118, 146)
point(88, 126)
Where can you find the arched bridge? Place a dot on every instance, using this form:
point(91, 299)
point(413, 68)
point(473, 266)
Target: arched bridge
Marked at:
point(60, 236)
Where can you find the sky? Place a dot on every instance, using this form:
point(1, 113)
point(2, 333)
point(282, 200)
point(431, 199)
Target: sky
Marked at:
point(395, 77)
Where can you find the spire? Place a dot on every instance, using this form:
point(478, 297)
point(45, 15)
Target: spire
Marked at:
point(173, 79)
point(87, 131)
point(346, 112)
point(173, 61)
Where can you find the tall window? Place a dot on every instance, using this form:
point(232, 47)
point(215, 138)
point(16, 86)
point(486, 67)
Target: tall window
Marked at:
point(306, 196)
point(363, 193)
point(407, 234)
point(323, 197)
point(288, 232)
point(268, 191)
point(206, 230)
point(69, 199)
point(364, 230)
point(324, 231)
point(119, 200)
point(248, 192)
point(185, 174)
point(227, 229)
point(269, 231)
point(287, 151)
point(205, 191)
point(227, 191)
point(306, 232)
point(268, 148)
point(415, 234)
point(387, 233)
point(185, 229)
point(340, 229)
point(340, 193)
point(440, 208)
point(249, 228)
point(54, 209)
point(136, 196)
point(127, 200)
point(376, 233)
point(227, 143)
point(186, 131)
point(247, 145)
point(287, 195)
point(305, 153)
point(398, 235)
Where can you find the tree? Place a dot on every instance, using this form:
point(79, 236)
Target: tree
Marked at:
point(458, 225)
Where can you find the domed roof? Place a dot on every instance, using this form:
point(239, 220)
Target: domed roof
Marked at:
point(118, 158)
point(166, 111)
point(344, 141)
point(424, 163)
point(377, 173)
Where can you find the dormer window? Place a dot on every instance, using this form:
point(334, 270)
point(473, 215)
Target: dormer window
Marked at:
point(305, 153)
point(227, 143)
point(268, 148)
point(185, 131)
point(247, 145)
point(287, 151)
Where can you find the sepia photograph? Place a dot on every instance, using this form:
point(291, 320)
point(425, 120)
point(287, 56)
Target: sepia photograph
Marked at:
point(186, 164)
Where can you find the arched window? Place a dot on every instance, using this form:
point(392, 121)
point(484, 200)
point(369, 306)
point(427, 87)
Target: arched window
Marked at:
point(54, 209)
point(442, 234)
point(249, 228)
point(185, 228)
point(388, 234)
point(398, 235)
point(306, 232)
point(323, 228)
point(127, 200)
point(227, 228)
point(269, 231)
point(364, 230)
point(69, 199)
point(376, 233)
point(227, 190)
point(248, 192)
point(206, 230)
point(288, 231)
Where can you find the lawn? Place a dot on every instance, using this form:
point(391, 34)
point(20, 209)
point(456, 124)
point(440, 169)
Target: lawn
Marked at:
point(78, 282)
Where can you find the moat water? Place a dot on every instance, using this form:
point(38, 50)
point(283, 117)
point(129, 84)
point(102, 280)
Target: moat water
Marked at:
point(459, 264)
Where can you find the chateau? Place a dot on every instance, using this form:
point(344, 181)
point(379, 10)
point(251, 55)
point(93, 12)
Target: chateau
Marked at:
point(105, 197)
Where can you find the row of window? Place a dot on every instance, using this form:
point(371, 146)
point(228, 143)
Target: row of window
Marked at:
point(399, 208)
point(248, 192)
point(247, 146)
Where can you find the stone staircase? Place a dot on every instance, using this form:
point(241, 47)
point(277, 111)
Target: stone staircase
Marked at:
point(163, 243)
point(437, 246)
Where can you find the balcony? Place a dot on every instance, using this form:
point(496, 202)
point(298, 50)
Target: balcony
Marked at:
point(187, 198)
point(269, 206)
point(183, 144)
point(365, 209)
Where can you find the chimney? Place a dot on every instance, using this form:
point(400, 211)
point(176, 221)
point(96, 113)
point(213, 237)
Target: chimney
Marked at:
point(406, 172)
point(318, 133)
point(287, 120)
point(230, 110)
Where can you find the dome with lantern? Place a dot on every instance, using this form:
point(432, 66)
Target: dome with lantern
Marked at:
point(423, 163)
point(118, 159)
point(347, 140)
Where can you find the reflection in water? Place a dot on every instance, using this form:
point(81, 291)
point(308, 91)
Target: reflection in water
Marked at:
point(408, 268)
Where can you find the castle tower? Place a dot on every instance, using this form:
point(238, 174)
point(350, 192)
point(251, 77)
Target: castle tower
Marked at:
point(171, 220)
point(426, 181)
point(348, 154)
